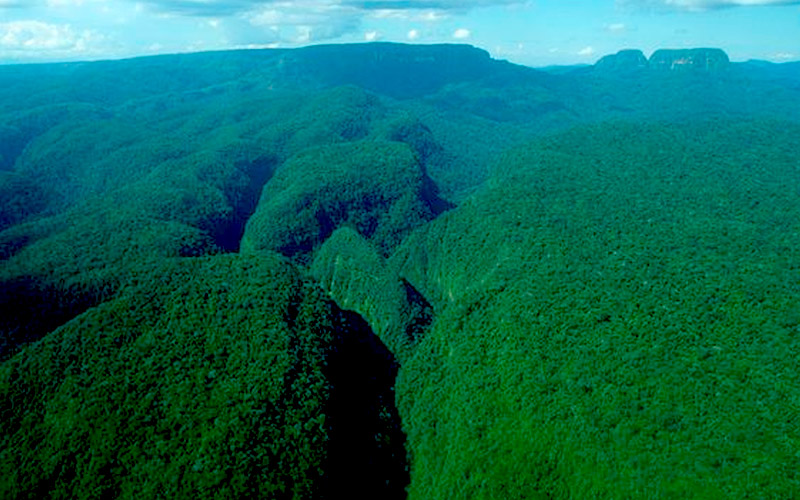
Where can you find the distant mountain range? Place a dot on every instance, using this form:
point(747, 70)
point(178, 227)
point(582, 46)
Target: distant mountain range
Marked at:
point(394, 69)
point(446, 76)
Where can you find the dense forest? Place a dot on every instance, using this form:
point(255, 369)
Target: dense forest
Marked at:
point(400, 271)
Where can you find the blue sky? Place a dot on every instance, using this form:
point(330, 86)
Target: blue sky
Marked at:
point(531, 32)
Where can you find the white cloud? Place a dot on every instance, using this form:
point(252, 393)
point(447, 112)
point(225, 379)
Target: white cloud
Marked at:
point(510, 50)
point(425, 16)
point(176, 24)
point(430, 16)
point(700, 5)
point(586, 51)
point(371, 36)
point(70, 3)
point(454, 5)
point(230, 7)
point(729, 3)
point(311, 21)
point(44, 40)
point(462, 34)
point(616, 27)
point(303, 34)
point(784, 56)
point(389, 14)
point(274, 45)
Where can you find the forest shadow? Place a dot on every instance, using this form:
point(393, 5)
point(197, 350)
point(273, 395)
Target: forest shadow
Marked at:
point(366, 452)
point(228, 236)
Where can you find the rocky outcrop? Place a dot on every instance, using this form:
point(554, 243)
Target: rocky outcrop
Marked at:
point(627, 60)
point(689, 59)
point(630, 61)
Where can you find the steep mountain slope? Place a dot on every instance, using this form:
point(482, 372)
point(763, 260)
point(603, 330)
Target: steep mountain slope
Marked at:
point(223, 376)
point(359, 278)
point(377, 187)
point(615, 319)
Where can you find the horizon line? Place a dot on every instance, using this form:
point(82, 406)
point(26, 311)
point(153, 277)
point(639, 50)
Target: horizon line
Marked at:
point(270, 47)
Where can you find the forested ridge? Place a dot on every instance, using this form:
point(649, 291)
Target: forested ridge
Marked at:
point(399, 272)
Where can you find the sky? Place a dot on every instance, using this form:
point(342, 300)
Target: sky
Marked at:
point(530, 32)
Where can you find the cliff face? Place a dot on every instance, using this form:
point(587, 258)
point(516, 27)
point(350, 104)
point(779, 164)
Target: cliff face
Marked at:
point(395, 69)
point(623, 61)
point(629, 61)
point(695, 59)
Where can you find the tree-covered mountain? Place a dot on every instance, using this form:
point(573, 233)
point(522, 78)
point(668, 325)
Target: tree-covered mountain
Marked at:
point(613, 322)
point(399, 271)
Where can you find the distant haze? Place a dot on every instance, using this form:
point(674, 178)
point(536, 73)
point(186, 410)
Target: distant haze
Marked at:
point(539, 33)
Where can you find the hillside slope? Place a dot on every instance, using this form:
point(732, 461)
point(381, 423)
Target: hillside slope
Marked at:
point(615, 319)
